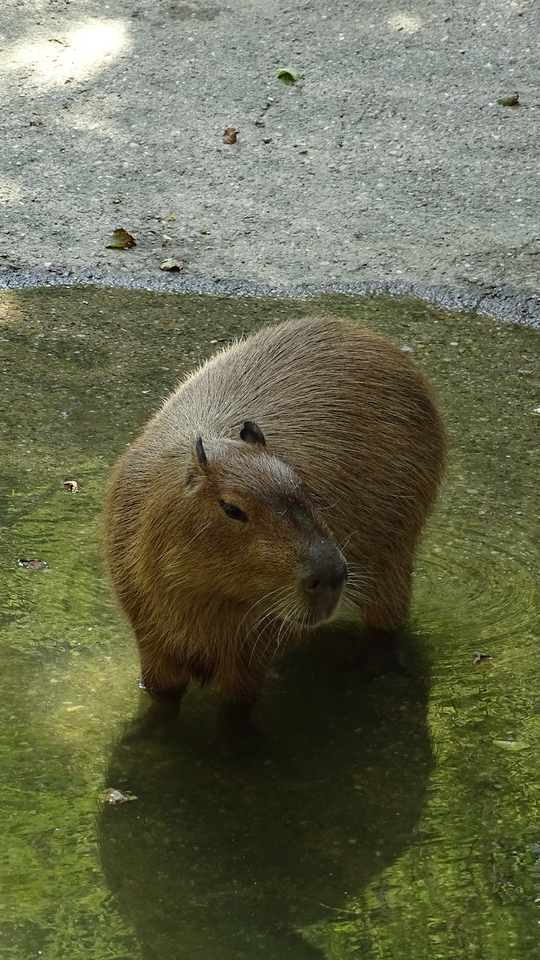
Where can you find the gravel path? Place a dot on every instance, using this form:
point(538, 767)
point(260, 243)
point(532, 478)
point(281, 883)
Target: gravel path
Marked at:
point(389, 164)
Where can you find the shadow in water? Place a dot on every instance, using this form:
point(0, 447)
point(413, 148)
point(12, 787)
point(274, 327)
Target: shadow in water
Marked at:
point(217, 861)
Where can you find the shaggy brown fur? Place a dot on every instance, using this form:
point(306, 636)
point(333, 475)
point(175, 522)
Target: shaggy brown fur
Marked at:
point(223, 549)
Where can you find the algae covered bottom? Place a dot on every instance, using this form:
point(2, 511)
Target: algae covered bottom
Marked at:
point(395, 820)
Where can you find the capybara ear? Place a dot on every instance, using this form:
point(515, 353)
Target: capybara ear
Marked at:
point(201, 455)
point(252, 433)
point(199, 465)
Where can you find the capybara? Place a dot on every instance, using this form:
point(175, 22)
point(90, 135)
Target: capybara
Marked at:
point(289, 476)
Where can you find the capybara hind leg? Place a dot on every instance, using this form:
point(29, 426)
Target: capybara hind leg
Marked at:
point(385, 617)
point(380, 654)
point(387, 609)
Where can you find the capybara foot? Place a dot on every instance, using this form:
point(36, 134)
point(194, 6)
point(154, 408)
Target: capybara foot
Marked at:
point(236, 734)
point(381, 653)
point(158, 717)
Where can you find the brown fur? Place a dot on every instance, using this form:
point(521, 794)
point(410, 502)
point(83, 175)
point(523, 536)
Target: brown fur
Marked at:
point(354, 456)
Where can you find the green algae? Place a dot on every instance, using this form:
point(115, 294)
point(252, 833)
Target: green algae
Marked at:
point(386, 822)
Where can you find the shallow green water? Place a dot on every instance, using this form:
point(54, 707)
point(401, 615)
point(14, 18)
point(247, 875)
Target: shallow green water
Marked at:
point(395, 820)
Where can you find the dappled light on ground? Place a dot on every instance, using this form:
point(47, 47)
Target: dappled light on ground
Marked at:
point(10, 190)
point(407, 22)
point(75, 54)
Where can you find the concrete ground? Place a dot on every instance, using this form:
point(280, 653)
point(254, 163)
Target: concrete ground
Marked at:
point(389, 164)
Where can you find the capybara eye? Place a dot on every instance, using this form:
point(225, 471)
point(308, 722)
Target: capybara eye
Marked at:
point(233, 512)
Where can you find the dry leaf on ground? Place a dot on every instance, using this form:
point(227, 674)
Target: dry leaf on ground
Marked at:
point(121, 240)
point(230, 135)
point(512, 100)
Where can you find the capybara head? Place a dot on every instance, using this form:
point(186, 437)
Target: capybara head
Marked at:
point(251, 535)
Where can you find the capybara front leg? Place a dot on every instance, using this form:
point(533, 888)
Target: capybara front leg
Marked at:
point(166, 682)
point(236, 732)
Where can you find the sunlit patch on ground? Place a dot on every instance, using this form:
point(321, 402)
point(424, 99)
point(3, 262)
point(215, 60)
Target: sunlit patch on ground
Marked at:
point(72, 55)
point(408, 22)
point(9, 190)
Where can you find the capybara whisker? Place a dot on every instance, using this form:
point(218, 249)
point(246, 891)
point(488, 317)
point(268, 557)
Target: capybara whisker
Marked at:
point(258, 603)
point(271, 612)
point(289, 476)
point(278, 613)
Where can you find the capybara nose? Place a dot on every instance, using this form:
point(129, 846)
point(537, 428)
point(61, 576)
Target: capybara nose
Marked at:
point(327, 575)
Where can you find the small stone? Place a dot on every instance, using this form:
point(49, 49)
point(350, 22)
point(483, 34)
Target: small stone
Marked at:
point(172, 265)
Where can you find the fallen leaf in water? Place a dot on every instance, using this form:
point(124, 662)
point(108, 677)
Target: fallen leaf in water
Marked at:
point(33, 564)
point(230, 135)
point(480, 657)
point(172, 265)
point(121, 240)
point(72, 486)
point(171, 217)
point(36, 123)
point(512, 100)
point(289, 74)
point(116, 796)
point(511, 744)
